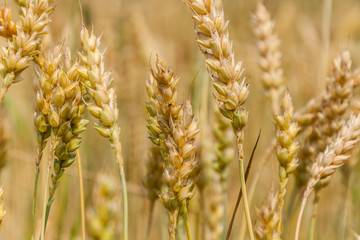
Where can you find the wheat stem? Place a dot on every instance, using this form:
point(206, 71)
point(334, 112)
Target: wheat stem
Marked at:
point(186, 219)
point(243, 190)
point(125, 202)
point(301, 212)
point(82, 201)
point(46, 207)
point(263, 160)
point(224, 196)
point(34, 201)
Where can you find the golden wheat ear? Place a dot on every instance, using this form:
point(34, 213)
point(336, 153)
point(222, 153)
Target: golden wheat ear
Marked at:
point(328, 161)
point(97, 88)
point(231, 87)
point(173, 128)
point(24, 40)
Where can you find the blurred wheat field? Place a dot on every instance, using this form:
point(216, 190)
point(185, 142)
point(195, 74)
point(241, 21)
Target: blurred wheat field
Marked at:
point(133, 34)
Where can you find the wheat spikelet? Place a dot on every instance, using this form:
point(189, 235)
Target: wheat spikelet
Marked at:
point(24, 40)
point(7, 26)
point(328, 161)
point(270, 56)
point(101, 216)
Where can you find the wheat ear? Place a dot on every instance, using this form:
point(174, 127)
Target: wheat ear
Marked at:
point(327, 116)
point(213, 39)
point(65, 117)
point(327, 162)
point(23, 40)
point(44, 98)
point(173, 128)
point(97, 83)
point(269, 56)
point(286, 131)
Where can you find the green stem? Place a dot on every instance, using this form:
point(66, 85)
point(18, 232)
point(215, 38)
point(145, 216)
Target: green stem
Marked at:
point(125, 201)
point(34, 201)
point(186, 218)
point(48, 205)
point(45, 208)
